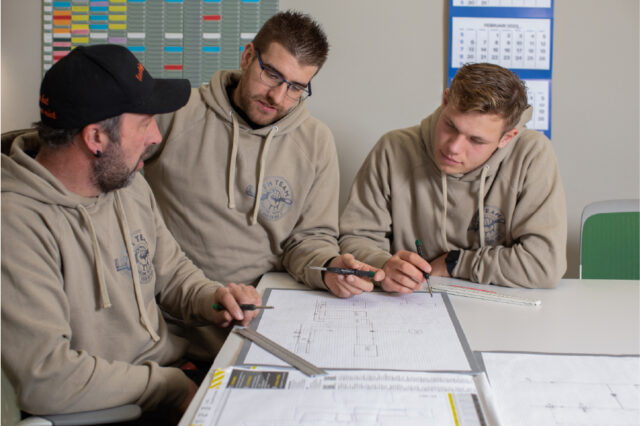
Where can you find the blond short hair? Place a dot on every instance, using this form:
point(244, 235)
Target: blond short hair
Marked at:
point(489, 89)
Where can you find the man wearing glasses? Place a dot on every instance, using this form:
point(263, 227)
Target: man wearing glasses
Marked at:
point(246, 178)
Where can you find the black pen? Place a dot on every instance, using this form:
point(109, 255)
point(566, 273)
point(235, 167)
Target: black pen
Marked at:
point(345, 271)
point(244, 307)
point(426, 274)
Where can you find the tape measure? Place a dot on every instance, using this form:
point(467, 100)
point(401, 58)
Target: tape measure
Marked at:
point(284, 354)
point(479, 293)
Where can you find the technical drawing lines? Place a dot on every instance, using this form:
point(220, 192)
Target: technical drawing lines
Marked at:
point(563, 390)
point(373, 330)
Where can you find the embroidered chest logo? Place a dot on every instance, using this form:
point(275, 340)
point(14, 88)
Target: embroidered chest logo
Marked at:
point(142, 255)
point(276, 199)
point(494, 226)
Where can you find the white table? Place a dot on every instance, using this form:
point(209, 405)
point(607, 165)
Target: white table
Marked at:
point(579, 316)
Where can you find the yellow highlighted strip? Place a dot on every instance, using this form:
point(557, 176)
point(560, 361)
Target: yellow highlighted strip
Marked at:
point(453, 410)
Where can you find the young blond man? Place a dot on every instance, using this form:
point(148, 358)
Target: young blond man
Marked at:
point(480, 190)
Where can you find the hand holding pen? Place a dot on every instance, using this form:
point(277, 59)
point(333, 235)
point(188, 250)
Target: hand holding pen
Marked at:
point(426, 274)
point(227, 305)
point(345, 276)
point(345, 271)
point(404, 272)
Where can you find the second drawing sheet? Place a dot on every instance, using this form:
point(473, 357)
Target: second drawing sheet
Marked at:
point(412, 332)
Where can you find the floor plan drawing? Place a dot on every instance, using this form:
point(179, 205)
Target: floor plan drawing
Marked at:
point(373, 330)
point(559, 390)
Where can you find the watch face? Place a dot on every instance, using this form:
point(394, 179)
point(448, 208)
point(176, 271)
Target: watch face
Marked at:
point(453, 256)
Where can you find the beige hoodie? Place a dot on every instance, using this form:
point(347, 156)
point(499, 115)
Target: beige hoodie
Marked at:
point(243, 202)
point(399, 195)
point(81, 282)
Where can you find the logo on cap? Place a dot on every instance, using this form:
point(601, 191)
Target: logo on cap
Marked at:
point(45, 101)
point(140, 71)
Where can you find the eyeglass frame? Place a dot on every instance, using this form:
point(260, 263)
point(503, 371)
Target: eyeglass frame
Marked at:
point(305, 90)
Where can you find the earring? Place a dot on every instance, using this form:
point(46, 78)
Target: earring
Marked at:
point(98, 154)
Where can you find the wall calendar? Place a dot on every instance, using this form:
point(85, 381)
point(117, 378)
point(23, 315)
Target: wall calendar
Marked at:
point(515, 34)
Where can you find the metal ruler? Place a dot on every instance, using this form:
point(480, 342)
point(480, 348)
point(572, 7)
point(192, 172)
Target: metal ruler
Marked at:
point(479, 293)
point(284, 354)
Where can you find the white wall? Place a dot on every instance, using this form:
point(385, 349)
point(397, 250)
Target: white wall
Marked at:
point(386, 70)
point(21, 63)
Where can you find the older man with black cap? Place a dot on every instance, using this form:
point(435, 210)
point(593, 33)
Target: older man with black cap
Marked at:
point(87, 261)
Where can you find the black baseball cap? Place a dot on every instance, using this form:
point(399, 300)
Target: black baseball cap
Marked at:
point(93, 83)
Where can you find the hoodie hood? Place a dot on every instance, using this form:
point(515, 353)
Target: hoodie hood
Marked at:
point(23, 175)
point(481, 174)
point(216, 97)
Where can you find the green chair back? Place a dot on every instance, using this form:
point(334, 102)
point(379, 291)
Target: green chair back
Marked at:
point(610, 246)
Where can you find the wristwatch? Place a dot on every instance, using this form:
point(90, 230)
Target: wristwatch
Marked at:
point(452, 260)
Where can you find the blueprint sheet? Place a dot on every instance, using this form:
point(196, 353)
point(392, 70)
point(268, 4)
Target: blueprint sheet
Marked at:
point(551, 390)
point(382, 331)
point(281, 397)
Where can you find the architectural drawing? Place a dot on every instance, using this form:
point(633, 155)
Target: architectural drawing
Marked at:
point(369, 331)
point(562, 390)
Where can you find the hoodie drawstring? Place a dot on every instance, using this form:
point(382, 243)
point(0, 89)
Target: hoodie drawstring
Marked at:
point(263, 159)
point(144, 319)
point(443, 226)
point(232, 161)
point(104, 293)
point(232, 168)
point(483, 176)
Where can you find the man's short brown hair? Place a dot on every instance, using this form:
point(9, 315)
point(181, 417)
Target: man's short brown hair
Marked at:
point(489, 89)
point(298, 33)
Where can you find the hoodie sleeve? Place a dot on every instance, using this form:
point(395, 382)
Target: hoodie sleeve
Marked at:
point(181, 287)
point(537, 258)
point(365, 224)
point(37, 352)
point(314, 239)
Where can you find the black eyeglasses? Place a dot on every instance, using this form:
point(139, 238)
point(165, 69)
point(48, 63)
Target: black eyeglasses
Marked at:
point(273, 78)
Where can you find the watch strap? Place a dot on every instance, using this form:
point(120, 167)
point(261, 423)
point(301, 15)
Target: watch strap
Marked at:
point(452, 260)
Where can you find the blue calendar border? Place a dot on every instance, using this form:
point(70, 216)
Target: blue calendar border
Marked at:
point(501, 12)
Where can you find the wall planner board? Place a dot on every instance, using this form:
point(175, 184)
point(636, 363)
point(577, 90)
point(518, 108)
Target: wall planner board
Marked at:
point(189, 39)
